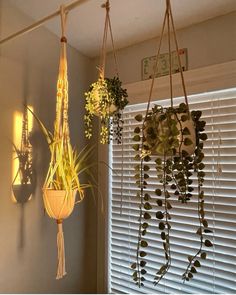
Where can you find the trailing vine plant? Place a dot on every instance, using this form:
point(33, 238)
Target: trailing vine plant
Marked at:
point(106, 98)
point(172, 137)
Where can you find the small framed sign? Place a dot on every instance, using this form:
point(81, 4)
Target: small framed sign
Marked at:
point(148, 64)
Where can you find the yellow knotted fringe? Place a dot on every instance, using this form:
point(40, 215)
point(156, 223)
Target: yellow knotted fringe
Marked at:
point(61, 268)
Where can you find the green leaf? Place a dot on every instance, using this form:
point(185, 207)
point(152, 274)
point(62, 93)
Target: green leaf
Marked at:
point(147, 206)
point(145, 225)
point(136, 138)
point(143, 271)
point(158, 161)
point(142, 263)
point(161, 225)
point(190, 275)
point(144, 244)
point(203, 136)
point(193, 269)
point(138, 117)
point(147, 158)
point(197, 263)
point(135, 147)
point(208, 231)
point(199, 231)
point(137, 130)
point(203, 255)
point(144, 232)
point(173, 186)
point(145, 176)
point(135, 274)
point(201, 174)
point(201, 166)
point(186, 131)
point(184, 118)
point(146, 197)
point(208, 243)
point(159, 215)
point(159, 202)
point(163, 235)
point(133, 266)
point(187, 141)
point(168, 178)
point(137, 157)
point(146, 168)
point(158, 192)
point(142, 254)
point(146, 216)
point(190, 258)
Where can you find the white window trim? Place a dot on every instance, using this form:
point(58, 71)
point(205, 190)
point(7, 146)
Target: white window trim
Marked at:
point(207, 79)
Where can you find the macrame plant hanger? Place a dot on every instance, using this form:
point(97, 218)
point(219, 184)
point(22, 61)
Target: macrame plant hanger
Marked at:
point(168, 20)
point(107, 27)
point(61, 134)
point(101, 68)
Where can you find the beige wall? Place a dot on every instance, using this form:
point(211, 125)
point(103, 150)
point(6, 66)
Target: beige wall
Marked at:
point(28, 255)
point(208, 43)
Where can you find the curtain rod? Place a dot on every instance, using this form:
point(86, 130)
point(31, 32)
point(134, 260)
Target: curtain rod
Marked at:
point(38, 23)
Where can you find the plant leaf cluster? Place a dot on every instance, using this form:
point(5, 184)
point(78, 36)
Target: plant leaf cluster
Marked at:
point(106, 98)
point(66, 165)
point(162, 138)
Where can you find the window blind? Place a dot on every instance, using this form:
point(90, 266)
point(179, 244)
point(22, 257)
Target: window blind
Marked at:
point(218, 271)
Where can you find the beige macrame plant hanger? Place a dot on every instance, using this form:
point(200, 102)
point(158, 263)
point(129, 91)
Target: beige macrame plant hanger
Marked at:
point(60, 206)
point(107, 29)
point(101, 69)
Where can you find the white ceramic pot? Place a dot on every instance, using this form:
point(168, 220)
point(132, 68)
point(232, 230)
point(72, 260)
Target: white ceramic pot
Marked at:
point(57, 204)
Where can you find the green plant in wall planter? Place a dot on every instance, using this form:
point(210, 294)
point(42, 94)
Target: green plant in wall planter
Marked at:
point(106, 98)
point(172, 137)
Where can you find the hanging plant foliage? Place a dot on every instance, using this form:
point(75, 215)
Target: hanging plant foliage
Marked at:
point(172, 138)
point(24, 181)
point(106, 98)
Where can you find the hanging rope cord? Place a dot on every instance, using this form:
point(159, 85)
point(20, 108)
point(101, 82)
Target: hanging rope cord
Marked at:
point(62, 131)
point(169, 17)
point(61, 123)
point(107, 27)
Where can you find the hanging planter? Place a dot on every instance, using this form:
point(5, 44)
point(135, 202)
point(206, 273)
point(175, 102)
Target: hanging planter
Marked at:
point(172, 137)
point(169, 131)
point(106, 98)
point(62, 182)
point(23, 182)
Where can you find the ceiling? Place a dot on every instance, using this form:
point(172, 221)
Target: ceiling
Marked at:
point(133, 21)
